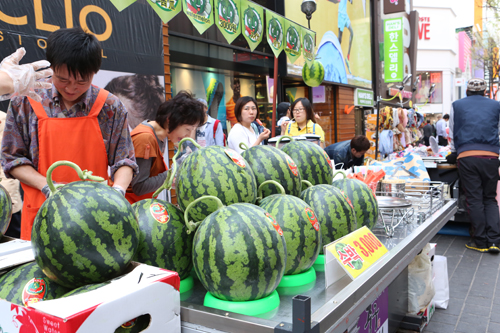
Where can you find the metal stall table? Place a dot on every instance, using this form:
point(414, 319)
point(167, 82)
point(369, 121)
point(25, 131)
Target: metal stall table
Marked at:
point(334, 308)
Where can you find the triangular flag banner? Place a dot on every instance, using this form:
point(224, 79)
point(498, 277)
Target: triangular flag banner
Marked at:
point(275, 30)
point(252, 23)
point(227, 18)
point(122, 4)
point(293, 40)
point(166, 9)
point(308, 45)
point(200, 13)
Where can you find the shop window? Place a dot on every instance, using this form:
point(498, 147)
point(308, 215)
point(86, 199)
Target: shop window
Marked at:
point(426, 81)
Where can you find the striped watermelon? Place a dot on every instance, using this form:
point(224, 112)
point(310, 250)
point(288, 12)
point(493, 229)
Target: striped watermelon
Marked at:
point(5, 209)
point(27, 284)
point(239, 253)
point(163, 241)
point(313, 162)
point(333, 210)
point(364, 202)
point(216, 171)
point(270, 163)
point(300, 228)
point(85, 233)
point(314, 74)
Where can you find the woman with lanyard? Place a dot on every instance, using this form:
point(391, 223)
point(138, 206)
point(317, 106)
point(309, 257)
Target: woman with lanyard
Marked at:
point(305, 121)
point(246, 111)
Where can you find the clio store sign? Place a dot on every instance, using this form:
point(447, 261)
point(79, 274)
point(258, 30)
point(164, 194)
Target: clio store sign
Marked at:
point(394, 6)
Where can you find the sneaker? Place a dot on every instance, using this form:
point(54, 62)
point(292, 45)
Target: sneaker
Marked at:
point(472, 246)
point(493, 248)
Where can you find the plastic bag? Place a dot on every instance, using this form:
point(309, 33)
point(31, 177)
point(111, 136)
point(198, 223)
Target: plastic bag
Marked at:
point(420, 284)
point(441, 282)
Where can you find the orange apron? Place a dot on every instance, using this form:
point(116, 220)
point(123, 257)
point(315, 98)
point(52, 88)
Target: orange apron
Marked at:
point(130, 196)
point(78, 140)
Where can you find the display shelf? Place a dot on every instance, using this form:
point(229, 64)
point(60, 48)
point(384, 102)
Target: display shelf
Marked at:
point(335, 307)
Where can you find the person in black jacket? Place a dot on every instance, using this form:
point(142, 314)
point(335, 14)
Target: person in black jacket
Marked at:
point(427, 132)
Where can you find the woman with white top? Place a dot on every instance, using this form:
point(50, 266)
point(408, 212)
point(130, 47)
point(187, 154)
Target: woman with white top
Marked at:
point(246, 111)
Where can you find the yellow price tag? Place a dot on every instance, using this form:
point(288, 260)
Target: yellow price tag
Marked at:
point(357, 251)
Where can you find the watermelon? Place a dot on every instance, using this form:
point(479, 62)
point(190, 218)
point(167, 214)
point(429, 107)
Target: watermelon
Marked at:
point(300, 228)
point(313, 162)
point(84, 233)
point(5, 209)
point(270, 163)
point(334, 212)
point(239, 253)
point(163, 238)
point(27, 285)
point(215, 171)
point(313, 74)
point(364, 202)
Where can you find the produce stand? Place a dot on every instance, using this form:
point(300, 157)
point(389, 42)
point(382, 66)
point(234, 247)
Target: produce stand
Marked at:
point(333, 309)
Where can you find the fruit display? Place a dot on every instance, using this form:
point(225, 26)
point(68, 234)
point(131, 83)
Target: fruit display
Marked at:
point(84, 233)
point(313, 74)
point(5, 209)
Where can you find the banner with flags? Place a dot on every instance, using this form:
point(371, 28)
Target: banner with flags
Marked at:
point(227, 18)
point(308, 45)
point(122, 4)
point(200, 13)
point(275, 31)
point(293, 40)
point(166, 9)
point(252, 23)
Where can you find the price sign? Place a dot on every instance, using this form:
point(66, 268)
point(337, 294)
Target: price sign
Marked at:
point(352, 254)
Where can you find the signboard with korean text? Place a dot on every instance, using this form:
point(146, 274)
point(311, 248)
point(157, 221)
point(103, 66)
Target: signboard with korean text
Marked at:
point(363, 97)
point(352, 254)
point(252, 23)
point(375, 318)
point(393, 50)
point(166, 10)
point(227, 18)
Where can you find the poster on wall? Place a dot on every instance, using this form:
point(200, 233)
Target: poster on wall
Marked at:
point(275, 30)
point(293, 40)
point(200, 13)
point(228, 18)
point(166, 10)
point(343, 40)
point(308, 45)
point(129, 74)
point(252, 23)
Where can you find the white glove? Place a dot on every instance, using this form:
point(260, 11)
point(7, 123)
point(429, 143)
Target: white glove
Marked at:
point(24, 77)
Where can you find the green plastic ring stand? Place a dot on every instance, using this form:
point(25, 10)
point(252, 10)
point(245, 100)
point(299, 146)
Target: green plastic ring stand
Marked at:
point(186, 284)
point(319, 264)
point(249, 308)
point(298, 279)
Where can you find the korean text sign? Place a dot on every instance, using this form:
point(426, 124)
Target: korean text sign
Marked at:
point(393, 50)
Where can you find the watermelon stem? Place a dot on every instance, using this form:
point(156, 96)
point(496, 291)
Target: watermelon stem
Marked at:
point(282, 137)
point(191, 226)
point(83, 175)
point(167, 184)
point(307, 183)
point(275, 183)
point(243, 146)
point(341, 172)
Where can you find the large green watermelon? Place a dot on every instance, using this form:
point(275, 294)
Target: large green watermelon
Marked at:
point(334, 212)
point(239, 253)
point(300, 227)
point(84, 233)
point(362, 198)
point(313, 162)
point(216, 171)
point(163, 238)
point(313, 75)
point(27, 285)
point(270, 163)
point(5, 209)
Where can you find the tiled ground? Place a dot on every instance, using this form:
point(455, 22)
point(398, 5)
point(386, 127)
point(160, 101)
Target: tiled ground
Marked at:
point(474, 305)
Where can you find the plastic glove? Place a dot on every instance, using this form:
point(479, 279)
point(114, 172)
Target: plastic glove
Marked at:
point(119, 189)
point(25, 79)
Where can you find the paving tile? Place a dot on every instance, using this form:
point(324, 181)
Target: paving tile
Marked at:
point(493, 327)
point(437, 327)
point(445, 318)
point(471, 323)
point(461, 279)
point(495, 313)
point(482, 311)
point(454, 307)
point(479, 291)
point(477, 300)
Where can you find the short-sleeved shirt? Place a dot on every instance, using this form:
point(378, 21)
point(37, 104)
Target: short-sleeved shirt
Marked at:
point(20, 140)
point(311, 128)
point(148, 146)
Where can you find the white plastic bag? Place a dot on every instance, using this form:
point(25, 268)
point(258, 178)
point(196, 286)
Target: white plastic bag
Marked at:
point(420, 285)
point(441, 282)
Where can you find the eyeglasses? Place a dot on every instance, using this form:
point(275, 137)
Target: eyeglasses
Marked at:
point(253, 108)
point(297, 111)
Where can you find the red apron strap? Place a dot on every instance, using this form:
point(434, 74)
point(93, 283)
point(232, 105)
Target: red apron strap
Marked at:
point(99, 103)
point(38, 108)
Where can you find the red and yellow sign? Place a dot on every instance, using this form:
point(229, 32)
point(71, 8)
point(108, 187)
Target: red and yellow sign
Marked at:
point(235, 157)
point(357, 251)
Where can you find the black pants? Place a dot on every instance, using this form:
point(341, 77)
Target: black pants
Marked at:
point(479, 177)
point(442, 141)
point(426, 141)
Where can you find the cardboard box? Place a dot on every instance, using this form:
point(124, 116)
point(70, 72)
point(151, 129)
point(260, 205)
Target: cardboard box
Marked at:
point(145, 290)
point(428, 312)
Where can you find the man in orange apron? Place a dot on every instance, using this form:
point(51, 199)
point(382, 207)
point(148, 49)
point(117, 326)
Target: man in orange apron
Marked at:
point(75, 121)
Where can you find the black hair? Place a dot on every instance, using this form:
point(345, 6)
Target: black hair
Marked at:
point(80, 51)
point(182, 109)
point(307, 105)
point(360, 143)
point(428, 121)
point(240, 103)
point(446, 116)
point(282, 109)
point(474, 93)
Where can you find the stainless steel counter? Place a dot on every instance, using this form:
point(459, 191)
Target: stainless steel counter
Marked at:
point(334, 308)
